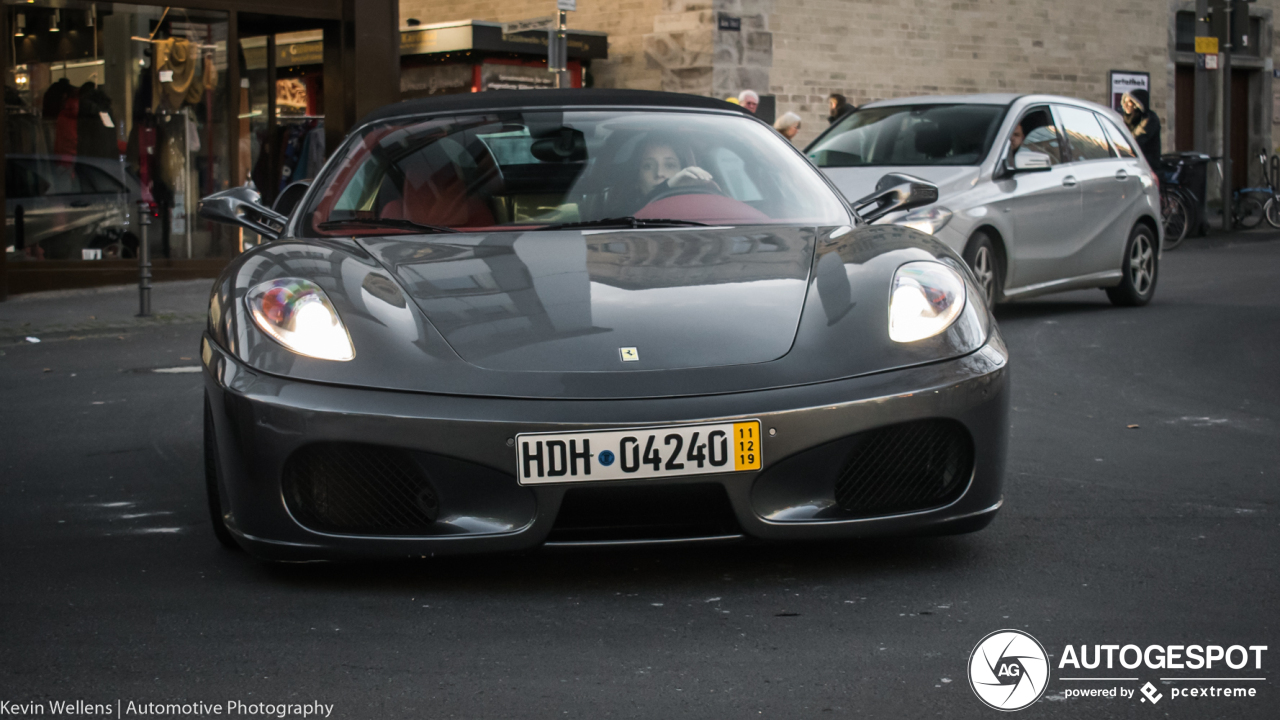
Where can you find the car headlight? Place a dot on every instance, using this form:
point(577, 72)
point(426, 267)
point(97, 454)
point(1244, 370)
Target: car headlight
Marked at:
point(926, 298)
point(926, 220)
point(298, 315)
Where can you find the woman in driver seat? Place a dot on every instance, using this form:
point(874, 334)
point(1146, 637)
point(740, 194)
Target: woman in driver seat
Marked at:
point(664, 165)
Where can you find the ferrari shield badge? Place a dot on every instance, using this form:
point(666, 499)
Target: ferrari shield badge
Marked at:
point(629, 354)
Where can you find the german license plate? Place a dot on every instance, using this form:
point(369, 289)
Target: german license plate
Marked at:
point(653, 452)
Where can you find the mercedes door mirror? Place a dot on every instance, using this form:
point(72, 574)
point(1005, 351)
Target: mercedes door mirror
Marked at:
point(896, 192)
point(243, 206)
point(1031, 161)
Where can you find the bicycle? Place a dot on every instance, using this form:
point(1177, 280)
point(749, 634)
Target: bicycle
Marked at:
point(1247, 210)
point(1271, 209)
point(1179, 206)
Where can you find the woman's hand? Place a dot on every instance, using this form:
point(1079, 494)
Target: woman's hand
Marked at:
point(690, 176)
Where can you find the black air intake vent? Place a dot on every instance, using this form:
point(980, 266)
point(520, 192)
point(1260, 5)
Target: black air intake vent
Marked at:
point(355, 489)
point(901, 468)
point(644, 512)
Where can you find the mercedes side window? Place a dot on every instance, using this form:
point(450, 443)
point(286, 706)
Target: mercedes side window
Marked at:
point(1118, 139)
point(1084, 134)
point(1040, 134)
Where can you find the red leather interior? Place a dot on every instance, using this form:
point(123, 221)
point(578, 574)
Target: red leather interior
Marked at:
point(703, 208)
point(438, 199)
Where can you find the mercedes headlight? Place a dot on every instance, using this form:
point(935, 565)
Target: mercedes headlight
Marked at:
point(298, 315)
point(926, 298)
point(926, 220)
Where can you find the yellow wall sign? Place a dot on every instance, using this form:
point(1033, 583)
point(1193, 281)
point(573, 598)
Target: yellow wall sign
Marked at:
point(1207, 45)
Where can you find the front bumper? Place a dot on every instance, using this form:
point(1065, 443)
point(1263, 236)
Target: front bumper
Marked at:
point(259, 420)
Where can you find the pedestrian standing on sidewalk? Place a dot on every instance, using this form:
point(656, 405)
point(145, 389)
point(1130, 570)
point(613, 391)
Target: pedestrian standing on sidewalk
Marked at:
point(838, 106)
point(749, 100)
point(1143, 123)
point(788, 125)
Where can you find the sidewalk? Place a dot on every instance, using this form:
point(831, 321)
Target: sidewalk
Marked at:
point(60, 313)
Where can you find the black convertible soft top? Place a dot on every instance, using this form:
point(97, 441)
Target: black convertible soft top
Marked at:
point(465, 102)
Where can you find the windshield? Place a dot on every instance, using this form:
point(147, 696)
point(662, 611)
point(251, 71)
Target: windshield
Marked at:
point(536, 169)
point(910, 135)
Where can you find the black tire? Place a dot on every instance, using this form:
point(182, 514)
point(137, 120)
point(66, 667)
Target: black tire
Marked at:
point(1249, 212)
point(1139, 271)
point(1177, 218)
point(1272, 211)
point(211, 486)
point(987, 266)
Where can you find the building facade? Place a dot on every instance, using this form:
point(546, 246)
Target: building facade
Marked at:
point(799, 51)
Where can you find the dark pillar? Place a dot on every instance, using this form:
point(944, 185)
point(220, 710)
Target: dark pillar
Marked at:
point(6, 49)
point(337, 119)
point(373, 54)
point(269, 147)
point(233, 97)
point(1203, 89)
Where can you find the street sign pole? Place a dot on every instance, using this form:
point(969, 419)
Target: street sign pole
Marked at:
point(1226, 122)
point(558, 44)
point(144, 259)
point(562, 52)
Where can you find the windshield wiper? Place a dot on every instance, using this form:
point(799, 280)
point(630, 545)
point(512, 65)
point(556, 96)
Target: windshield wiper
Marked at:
point(384, 223)
point(629, 221)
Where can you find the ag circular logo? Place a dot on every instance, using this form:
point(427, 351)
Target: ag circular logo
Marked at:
point(1008, 670)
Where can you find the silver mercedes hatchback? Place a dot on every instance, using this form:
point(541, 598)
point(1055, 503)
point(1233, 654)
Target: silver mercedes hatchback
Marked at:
point(1039, 193)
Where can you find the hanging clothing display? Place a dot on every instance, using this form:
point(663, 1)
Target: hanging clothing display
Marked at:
point(55, 97)
point(176, 62)
point(312, 157)
point(291, 153)
point(65, 140)
point(96, 131)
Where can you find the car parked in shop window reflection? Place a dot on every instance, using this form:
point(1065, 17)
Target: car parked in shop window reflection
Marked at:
point(1075, 206)
point(58, 206)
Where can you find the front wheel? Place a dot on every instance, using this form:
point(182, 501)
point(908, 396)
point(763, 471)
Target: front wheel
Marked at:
point(1139, 270)
point(1272, 211)
point(1249, 212)
point(986, 266)
point(1177, 218)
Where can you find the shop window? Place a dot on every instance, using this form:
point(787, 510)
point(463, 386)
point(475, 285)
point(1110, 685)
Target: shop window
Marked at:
point(122, 104)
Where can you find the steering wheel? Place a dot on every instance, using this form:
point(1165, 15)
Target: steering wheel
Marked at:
point(700, 189)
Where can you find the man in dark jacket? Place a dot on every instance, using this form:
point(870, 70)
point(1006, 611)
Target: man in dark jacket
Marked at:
point(1143, 123)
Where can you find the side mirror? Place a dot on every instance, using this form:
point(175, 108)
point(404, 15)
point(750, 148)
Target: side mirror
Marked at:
point(895, 192)
point(243, 206)
point(1027, 161)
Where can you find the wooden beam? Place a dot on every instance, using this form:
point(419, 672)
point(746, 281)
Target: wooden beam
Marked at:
point(233, 98)
point(376, 50)
point(6, 47)
point(318, 9)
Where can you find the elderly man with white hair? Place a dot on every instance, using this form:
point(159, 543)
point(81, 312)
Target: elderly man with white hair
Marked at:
point(749, 100)
point(788, 125)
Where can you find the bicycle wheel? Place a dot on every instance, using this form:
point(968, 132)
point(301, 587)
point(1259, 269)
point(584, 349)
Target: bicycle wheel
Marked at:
point(1272, 211)
point(1248, 212)
point(1177, 218)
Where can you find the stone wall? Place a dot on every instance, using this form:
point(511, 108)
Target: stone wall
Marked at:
point(626, 21)
point(874, 49)
point(802, 50)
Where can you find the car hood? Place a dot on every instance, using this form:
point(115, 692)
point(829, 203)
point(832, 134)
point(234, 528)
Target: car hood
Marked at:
point(858, 182)
point(551, 314)
point(582, 301)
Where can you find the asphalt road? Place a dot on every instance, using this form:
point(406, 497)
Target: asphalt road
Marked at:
point(112, 586)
